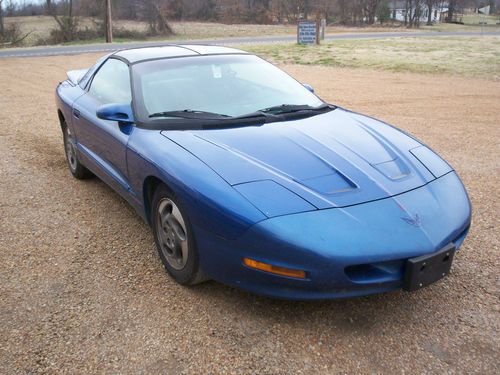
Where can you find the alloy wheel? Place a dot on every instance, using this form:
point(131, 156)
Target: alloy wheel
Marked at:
point(172, 234)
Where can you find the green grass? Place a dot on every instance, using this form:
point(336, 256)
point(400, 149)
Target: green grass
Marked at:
point(469, 56)
point(471, 22)
point(475, 19)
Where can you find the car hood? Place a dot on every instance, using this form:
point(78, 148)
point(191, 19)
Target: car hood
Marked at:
point(330, 160)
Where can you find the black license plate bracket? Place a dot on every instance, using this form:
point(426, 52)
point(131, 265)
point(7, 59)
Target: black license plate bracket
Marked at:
point(427, 269)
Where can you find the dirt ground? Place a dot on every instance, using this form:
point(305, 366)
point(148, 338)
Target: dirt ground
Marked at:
point(83, 291)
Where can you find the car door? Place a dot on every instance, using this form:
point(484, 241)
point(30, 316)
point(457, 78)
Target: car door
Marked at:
point(104, 142)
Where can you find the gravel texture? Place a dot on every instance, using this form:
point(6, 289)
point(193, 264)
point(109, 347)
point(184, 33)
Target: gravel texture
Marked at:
point(83, 291)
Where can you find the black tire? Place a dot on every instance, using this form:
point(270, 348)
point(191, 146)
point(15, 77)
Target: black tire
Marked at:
point(76, 168)
point(174, 238)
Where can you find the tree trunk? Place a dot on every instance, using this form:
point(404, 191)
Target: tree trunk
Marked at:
point(343, 12)
point(410, 13)
point(163, 26)
point(371, 9)
point(70, 26)
point(451, 11)
point(157, 20)
point(430, 4)
point(1, 18)
point(407, 9)
point(417, 14)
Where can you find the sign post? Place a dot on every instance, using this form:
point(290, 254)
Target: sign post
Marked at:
point(307, 32)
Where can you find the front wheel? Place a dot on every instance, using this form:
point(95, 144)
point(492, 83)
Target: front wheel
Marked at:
point(174, 238)
point(76, 168)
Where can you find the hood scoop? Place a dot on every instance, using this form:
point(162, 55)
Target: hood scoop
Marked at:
point(393, 169)
point(335, 159)
point(334, 183)
point(304, 167)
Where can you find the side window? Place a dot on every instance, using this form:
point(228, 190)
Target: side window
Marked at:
point(111, 84)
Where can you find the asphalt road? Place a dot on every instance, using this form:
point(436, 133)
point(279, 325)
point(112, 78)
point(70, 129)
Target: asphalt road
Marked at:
point(88, 48)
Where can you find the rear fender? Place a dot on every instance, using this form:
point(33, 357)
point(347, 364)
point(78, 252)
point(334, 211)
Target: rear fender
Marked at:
point(66, 95)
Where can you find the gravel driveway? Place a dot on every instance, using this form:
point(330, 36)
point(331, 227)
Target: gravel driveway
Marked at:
point(83, 291)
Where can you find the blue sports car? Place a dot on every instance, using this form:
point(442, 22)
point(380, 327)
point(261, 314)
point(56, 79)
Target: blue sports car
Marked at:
point(248, 178)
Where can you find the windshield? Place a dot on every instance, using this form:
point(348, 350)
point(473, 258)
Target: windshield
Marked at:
point(224, 85)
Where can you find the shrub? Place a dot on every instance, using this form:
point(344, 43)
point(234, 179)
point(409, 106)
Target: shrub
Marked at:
point(93, 32)
point(12, 35)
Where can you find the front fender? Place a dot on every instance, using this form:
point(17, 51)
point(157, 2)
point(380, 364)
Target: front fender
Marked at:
point(211, 203)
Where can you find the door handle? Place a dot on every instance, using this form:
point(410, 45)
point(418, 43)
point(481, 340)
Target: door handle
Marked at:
point(76, 113)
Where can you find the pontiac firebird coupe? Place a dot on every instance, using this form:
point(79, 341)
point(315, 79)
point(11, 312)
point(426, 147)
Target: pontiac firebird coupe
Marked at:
point(248, 178)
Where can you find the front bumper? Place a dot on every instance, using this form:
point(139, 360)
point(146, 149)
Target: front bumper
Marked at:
point(351, 251)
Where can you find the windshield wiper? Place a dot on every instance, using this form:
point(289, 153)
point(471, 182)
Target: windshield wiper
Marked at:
point(191, 114)
point(290, 108)
point(273, 112)
point(267, 115)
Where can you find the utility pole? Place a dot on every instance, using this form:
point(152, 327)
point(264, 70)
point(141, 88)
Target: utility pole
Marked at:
point(109, 23)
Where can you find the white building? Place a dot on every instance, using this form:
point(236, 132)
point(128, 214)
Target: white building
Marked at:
point(484, 10)
point(400, 13)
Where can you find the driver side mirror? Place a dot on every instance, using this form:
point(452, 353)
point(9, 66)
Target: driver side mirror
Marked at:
point(309, 87)
point(116, 112)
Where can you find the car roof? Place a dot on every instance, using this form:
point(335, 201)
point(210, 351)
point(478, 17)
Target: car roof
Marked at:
point(136, 55)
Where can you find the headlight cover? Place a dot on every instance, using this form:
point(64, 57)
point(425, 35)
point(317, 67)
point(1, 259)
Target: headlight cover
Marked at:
point(430, 160)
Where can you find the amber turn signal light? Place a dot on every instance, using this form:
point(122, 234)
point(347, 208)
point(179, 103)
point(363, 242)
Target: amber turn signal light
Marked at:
point(282, 271)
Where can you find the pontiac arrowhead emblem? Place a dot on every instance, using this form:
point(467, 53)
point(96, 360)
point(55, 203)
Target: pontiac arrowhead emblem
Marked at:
point(415, 221)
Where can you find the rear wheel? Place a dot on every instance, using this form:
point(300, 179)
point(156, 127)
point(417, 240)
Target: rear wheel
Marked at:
point(174, 238)
point(76, 168)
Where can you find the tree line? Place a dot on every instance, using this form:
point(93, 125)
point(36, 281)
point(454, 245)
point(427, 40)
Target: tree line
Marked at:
point(350, 12)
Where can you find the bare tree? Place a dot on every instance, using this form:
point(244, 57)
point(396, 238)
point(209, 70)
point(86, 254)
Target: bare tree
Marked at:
point(409, 13)
point(417, 13)
point(451, 10)
point(359, 11)
point(10, 35)
point(67, 23)
point(157, 11)
point(383, 12)
point(413, 12)
point(430, 5)
point(324, 7)
point(370, 10)
point(1, 18)
point(280, 10)
point(350, 11)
